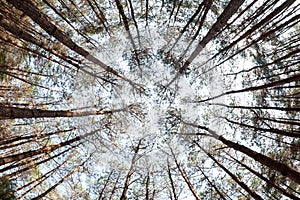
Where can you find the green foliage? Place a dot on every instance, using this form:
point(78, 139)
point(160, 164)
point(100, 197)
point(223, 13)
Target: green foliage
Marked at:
point(6, 190)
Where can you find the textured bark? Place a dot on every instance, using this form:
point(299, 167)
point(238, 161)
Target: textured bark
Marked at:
point(272, 183)
point(44, 150)
point(236, 179)
point(8, 112)
point(254, 88)
point(285, 170)
point(42, 20)
point(130, 172)
point(230, 9)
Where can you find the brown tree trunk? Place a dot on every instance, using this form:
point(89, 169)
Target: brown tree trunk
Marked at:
point(271, 130)
point(254, 88)
point(41, 19)
point(257, 25)
point(43, 150)
point(186, 179)
point(130, 172)
point(213, 185)
point(60, 181)
point(105, 185)
point(285, 170)
point(35, 163)
point(283, 191)
point(172, 183)
point(230, 9)
point(236, 179)
point(8, 112)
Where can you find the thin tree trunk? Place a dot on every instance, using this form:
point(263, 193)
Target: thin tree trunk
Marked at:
point(19, 171)
point(172, 183)
point(115, 187)
point(284, 169)
point(43, 150)
point(41, 19)
point(230, 9)
point(257, 25)
point(236, 179)
point(104, 186)
point(130, 172)
point(147, 186)
point(254, 88)
point(271, 130)
point(41, 179)
point(213, 185)
point(61, 180)
point(283, 191)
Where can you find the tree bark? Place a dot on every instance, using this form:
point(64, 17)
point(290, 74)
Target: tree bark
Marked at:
point(43, 150)
point(130, 172)
point(283, 191)
point(230, 9)
point(8, 112)
point(236, 179)
point(285, 170)
point(42, 20)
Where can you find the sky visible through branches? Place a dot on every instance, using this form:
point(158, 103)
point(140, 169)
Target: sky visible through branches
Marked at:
point(147, 109)
point(149, 99)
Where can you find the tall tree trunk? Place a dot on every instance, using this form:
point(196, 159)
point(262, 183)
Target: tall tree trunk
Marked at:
point(230, 9)
point(272, 183)
point(185, 177)
point(254, 88)
point(172, 183)
point(235, 178)
point(43, 150)
point(285, 170)
point(41, 19)
point(60, 181)
point(130, 172)
point(8, 112)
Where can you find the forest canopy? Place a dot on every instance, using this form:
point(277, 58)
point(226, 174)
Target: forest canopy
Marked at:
point(146, 99)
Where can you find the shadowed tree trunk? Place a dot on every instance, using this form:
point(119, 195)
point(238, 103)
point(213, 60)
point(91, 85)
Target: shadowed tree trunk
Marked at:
point(7, 112)
point(41, 19)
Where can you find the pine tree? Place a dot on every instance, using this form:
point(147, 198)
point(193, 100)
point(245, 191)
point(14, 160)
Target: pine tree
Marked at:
point(149, 99)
